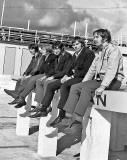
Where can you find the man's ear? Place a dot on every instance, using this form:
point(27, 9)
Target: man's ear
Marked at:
point(104, 40)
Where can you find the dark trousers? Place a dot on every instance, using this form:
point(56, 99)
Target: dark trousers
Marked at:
point(20, 84)
point(30, 85)
point(81, 95)
point(65, 89)
point(51, 87)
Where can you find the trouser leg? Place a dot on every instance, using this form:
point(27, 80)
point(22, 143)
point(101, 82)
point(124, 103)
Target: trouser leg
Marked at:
point(86, 96)
point(18, 83)
point(30, 85)
point(65, 89)
point(21, 83)
point(88, 92)
point(73, 98)
point(50, 90)
point(39, 91)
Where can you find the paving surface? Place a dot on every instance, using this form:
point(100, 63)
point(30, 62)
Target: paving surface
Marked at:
point(13, 147)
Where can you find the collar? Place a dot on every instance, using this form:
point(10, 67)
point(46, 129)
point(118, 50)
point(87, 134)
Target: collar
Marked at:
point(105, 45)
point(78, 52)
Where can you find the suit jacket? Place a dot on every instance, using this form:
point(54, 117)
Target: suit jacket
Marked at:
point(82, 63)
point(48, 64)
point(32, 65)
point(63, 66)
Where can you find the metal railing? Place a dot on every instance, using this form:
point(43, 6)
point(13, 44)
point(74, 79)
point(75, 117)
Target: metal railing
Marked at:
point(25, 36)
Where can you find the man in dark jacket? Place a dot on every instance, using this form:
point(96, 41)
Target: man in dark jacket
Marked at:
point(62, 68)
point(31, 70)
point(81, 62)
point(47, 65)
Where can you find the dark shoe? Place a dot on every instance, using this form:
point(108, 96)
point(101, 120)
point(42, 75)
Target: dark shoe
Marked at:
point(65, 122)
point(45, 113)
point(61, 113)
point(18, 100)
point(56, 121)
point(19, 105)
point(74, 127)
point(35, 109)
point(25, 114)
point(35, 115)
point(42, 112)
point(77, 155)
point(11, 93)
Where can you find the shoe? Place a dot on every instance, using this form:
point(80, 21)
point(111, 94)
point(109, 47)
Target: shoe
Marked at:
point(56, 121)
point(18, 100)
point(74, 127)
point(35, 115)
point(19, 105)
point(45, 113)
point(41, 112)
point(25, 114)
point(77, 155)
point(35, 109)
point(11, 93)
point(66, 121)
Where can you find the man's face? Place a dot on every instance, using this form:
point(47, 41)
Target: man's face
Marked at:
point(32, 51)
point(97, 39)
point(57, 51)
point(42, 50)
point(77, 45)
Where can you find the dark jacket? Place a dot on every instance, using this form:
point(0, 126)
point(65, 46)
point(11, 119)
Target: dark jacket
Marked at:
point(36, 69)
point(32, 66)
point(63, 66)
point(82, 63)
point(48, 64)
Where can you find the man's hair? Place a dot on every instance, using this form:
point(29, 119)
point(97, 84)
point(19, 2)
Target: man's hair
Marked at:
point(77, 38)
point(58, 45)
point(49, 50)
point(33, 46)
point(104, 33)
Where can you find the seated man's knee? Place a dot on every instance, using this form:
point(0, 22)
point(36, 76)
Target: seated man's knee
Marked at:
point(38, 82)
point(75, 87)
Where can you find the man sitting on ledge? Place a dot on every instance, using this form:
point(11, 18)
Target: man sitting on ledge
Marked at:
point(106, 72)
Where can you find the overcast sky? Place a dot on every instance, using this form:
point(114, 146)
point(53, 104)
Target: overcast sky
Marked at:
point(60, 15)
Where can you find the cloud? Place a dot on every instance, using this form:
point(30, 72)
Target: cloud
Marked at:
point(28, 7)
point(108, 14)
point(60, 16)
point(49, 20)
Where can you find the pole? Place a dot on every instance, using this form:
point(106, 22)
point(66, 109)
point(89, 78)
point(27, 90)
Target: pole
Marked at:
point(28, 25)
point(1, 23)
point(86, 30)
point(86, 34)
point(121, 38)
point(75, 29)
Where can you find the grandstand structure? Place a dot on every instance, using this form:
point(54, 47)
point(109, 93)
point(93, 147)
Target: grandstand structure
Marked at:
point(23, 36)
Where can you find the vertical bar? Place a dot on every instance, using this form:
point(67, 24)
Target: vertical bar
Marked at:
point(1, 23)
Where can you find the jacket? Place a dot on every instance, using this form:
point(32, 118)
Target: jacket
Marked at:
point(31, 67)
point(108, 64)
point(82, 63)
point(48, 64)
point(63, 66)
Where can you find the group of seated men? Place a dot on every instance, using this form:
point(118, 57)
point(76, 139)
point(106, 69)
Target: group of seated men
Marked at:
point(79, 75)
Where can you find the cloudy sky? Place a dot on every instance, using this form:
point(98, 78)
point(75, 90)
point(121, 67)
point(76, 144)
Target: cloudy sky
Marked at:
point(60, 15)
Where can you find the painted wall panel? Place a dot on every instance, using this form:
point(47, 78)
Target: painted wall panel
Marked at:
point(9, 60)
point(25, 60)
point(2, 53)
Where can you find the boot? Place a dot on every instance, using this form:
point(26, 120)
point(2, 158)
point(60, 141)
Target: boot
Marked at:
point(59, 118)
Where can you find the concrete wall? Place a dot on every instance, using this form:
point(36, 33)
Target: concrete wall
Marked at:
point(14, 59)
